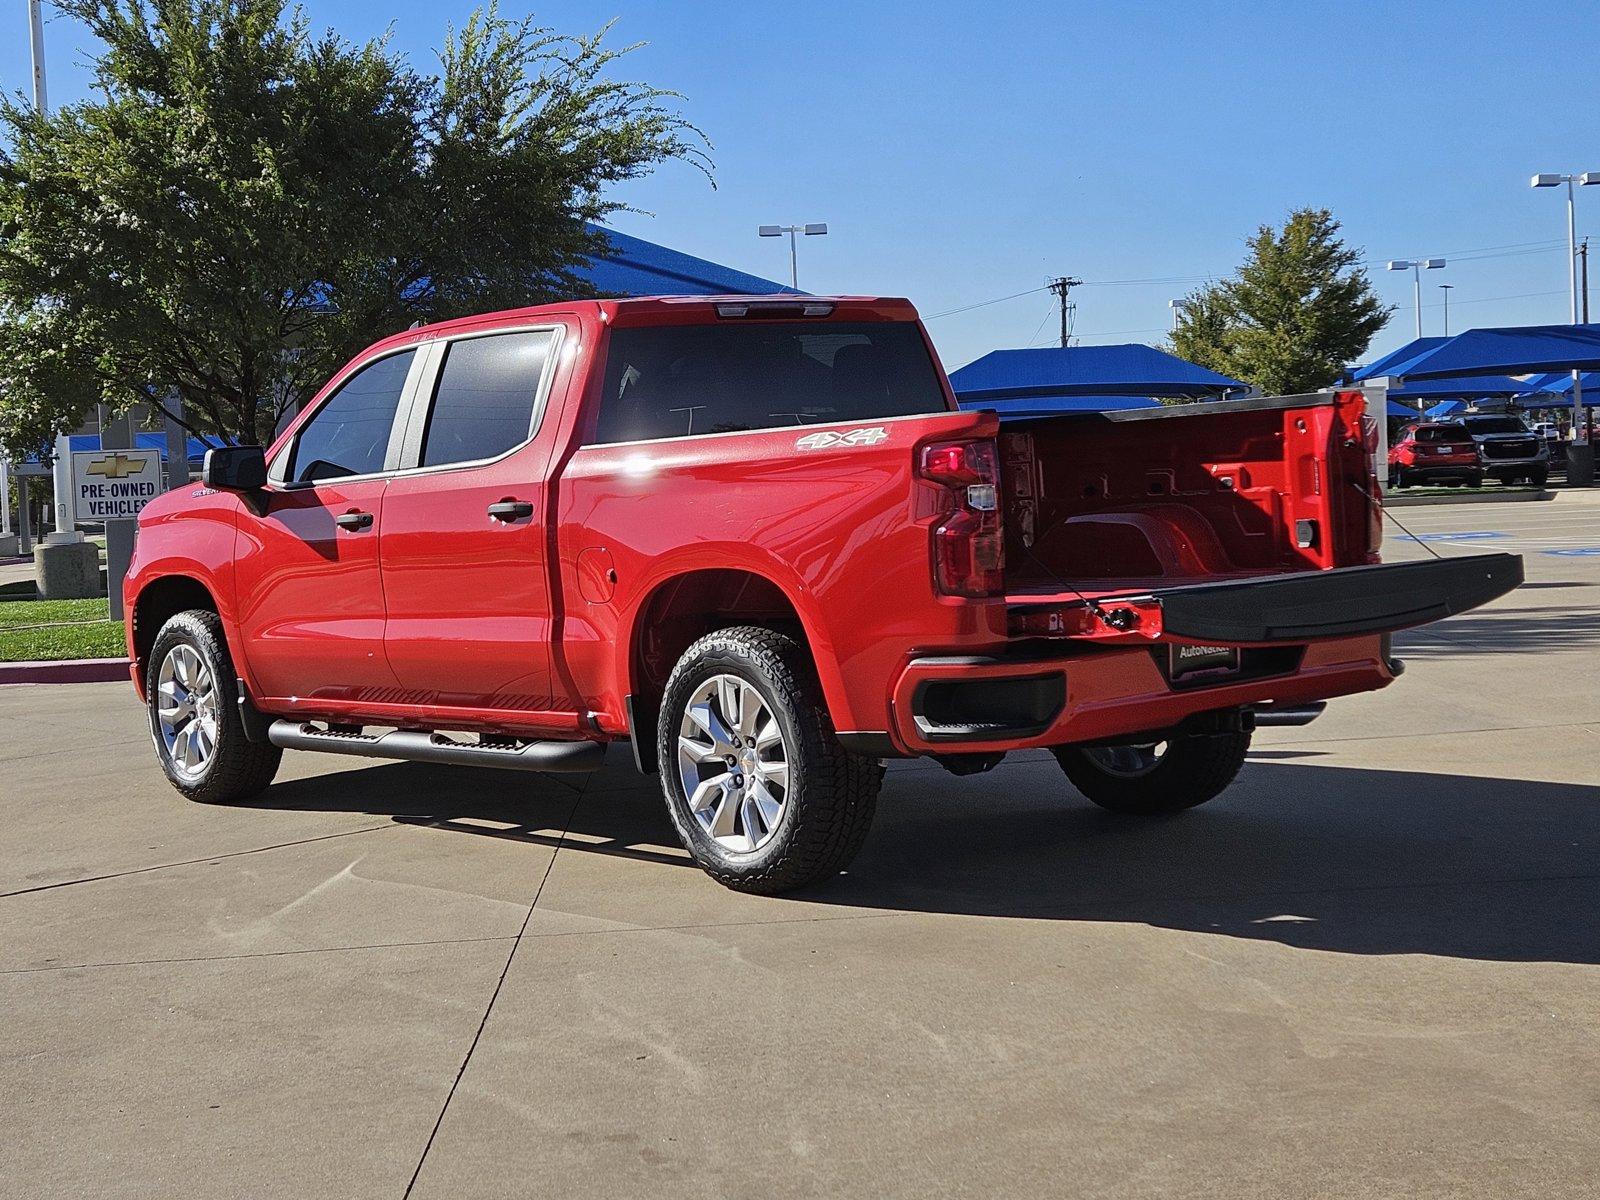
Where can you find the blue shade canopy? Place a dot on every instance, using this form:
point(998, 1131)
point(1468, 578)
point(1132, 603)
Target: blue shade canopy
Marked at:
point(1047, 406)
point(635, 267)
point(1446, 408)
point(1559, 383)
point(1403, 412)
point(1460, 387)
point(1128, 370)
point(1385, 365)
point(1513, 351)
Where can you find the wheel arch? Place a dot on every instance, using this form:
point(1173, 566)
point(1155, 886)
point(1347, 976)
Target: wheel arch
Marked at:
point(682, 608)
point(158, 602)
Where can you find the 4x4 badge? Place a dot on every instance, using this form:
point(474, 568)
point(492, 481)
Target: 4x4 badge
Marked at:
point(855, 437)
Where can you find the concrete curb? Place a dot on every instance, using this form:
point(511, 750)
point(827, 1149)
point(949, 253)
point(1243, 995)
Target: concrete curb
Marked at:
point(1393, 501)
point(72, 670)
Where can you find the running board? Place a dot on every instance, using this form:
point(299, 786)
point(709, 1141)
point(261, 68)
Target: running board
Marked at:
point(418, 746)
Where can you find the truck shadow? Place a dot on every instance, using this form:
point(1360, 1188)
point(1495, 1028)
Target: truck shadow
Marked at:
point(1504, 631)
point(1355, 861)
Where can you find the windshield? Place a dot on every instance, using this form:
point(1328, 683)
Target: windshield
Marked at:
point(681, 380)
point(1494, 425)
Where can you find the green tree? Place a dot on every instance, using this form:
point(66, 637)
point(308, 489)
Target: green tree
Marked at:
point(244, 203)
point(1299, 310)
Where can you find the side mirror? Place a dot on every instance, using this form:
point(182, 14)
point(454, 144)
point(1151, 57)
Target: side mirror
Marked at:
point(235, 468)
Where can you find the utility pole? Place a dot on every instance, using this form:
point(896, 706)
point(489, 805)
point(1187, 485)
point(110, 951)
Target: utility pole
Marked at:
point(1445, 288)
point(1061, 285)
point(1583, 254)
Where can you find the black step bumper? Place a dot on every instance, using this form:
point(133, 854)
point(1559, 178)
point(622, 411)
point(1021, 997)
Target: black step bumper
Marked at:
point(1343, 602)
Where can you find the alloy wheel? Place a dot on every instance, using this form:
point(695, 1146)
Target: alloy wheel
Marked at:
point(186, 710)
point(733, 764)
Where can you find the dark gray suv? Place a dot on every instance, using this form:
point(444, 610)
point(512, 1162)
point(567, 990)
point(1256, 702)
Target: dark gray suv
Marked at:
point(1508, 449)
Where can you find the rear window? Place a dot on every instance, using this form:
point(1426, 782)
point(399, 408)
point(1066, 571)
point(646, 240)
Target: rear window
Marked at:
point(1441, 433)
point(1495, 425)
point(676, 381)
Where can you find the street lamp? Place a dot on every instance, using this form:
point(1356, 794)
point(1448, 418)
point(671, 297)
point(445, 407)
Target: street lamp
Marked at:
point(1580, 423)
point(1416, 266)
point(1445, 288)
point(814, 229)
point(1176, 306)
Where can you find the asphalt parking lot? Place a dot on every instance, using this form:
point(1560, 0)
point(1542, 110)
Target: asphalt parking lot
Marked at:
point(1371, 969)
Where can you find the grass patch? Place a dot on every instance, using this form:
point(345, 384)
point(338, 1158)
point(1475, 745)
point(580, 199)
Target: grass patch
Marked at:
point(53, 630)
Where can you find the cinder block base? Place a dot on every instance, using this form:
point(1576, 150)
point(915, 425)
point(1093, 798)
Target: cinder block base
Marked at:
point(67, 571)
point(8, 545)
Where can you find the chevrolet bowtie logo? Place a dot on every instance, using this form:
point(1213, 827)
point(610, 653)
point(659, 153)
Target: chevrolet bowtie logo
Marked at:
point(115, 466)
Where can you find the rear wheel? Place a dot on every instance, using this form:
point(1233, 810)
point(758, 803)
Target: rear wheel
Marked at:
point(192, 696)
point(1157, 778)
point(760, 791)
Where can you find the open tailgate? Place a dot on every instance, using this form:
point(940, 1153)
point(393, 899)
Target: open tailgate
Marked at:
point(1341, 602)
point(1300, 607)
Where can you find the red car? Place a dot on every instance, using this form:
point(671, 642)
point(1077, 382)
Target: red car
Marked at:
point(1435, 451)
point(755, 539)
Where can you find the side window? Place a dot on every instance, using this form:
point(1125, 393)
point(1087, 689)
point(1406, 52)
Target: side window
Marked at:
point(349, 434)
point(486, 397)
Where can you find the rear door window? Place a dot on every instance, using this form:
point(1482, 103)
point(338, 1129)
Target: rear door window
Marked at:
point(682, 380)
point(487, 396)
point(349, 434)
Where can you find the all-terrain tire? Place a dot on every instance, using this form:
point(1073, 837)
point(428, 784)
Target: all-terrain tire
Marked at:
point(237, 768)
point(831, 792)
point(1193, 769)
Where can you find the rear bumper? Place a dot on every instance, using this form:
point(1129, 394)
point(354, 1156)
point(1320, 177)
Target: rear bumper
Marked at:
point(1302, 637)
point(1465, 469)
point(940, 704)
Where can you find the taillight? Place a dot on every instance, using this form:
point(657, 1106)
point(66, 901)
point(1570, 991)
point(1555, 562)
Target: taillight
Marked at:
point(968, 542)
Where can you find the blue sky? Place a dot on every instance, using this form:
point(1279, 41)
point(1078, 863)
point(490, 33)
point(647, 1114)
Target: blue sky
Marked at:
point(962, 152)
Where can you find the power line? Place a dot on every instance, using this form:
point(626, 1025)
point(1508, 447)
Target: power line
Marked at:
point(986, 303)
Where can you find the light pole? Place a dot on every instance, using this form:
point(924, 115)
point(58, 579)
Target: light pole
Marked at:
point(1416, 266)
point(1176, 306)
point(1580, 461)
point(1445, 288)
point(61, 470)
point(813, 229)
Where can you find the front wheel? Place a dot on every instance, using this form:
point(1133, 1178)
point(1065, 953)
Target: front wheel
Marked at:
point(761, 793)
point(1158, 778)
point(192, 693)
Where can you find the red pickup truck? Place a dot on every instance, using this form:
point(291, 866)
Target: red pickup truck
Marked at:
point(756, 538)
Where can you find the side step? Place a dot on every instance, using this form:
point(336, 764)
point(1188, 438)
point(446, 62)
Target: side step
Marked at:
point(417, 746)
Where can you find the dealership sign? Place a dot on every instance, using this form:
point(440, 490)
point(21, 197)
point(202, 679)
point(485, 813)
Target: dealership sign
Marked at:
point(110, 485)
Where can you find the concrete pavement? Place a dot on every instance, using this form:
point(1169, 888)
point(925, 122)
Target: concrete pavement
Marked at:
point(1372, 968)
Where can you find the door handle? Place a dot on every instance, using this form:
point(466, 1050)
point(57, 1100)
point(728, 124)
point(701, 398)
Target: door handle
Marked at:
point(355, 520)
point(511, 510)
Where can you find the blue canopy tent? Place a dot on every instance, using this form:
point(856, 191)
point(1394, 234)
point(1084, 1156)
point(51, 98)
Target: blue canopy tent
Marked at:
point(1518, 350)
point(635, 267)
point(1046, 406)
point(1446, 408)
point(1095, 378)
point(1412, 349)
